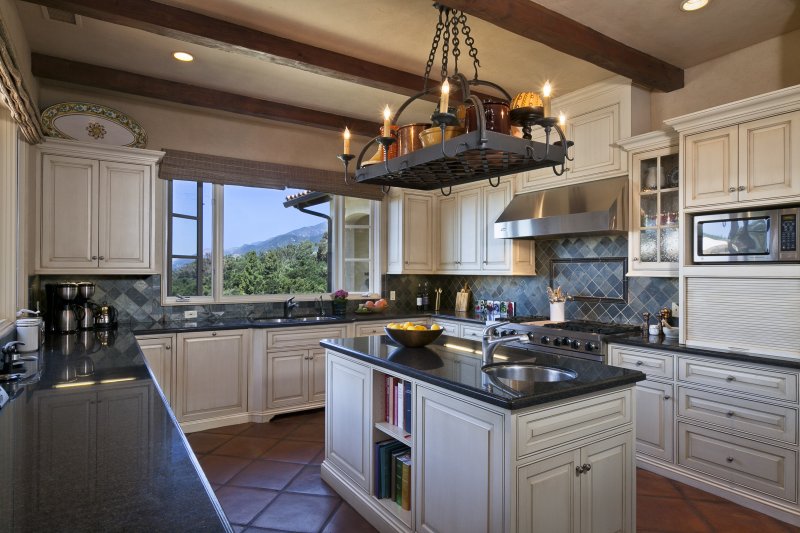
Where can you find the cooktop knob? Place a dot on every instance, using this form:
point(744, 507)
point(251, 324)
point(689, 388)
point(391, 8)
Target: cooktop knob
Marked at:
point(566, 341)
point(556, 342)
point(577, 344)
point(546, 340)
point(592, 346)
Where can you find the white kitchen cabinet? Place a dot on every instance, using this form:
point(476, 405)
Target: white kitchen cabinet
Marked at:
point(295, 377)
point(553, 490)
point(410, 237)
point(710, 162)
point(95, 209)
point(477, 469)
point(654, 237)
point(466, 241)
point(597, 117)
point(212, 375)
point(160, 358)
point(655, 405)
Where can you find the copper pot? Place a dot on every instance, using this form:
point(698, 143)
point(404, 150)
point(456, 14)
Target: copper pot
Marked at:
point(497, 117)
point(408, 137)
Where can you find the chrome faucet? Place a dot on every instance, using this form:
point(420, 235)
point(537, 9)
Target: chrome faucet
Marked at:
point(321, 306)
point(288, 306)
point(490, 342)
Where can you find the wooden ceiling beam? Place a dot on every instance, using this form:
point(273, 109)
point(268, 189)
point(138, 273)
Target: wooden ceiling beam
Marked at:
point(528, 19)
point(203, 30)
point(64, 70)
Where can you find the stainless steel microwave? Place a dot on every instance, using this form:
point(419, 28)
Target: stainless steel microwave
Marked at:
point(743, 236)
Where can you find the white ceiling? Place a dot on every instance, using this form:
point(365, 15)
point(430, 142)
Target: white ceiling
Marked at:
point(398, 34)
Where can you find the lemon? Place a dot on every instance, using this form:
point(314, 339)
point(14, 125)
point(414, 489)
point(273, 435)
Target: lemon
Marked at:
point(436, 327)
point(408, 325)
point(420, 328)
point(391, 325)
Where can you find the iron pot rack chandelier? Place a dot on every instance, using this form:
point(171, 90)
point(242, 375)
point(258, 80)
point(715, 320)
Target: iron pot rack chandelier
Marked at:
point(472, 156)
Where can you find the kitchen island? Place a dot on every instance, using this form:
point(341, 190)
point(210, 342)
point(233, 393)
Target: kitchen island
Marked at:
point(545, 456)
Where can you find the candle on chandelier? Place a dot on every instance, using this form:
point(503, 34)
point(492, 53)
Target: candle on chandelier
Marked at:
point(387, 122)
point(546, 90)
point(346, 140)
point(562, 119)
point(445, 100)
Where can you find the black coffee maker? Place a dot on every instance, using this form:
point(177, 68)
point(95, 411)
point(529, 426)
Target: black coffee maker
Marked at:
point(60, 315)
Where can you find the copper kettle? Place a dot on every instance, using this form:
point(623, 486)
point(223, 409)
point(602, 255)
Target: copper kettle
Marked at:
point(105, 316)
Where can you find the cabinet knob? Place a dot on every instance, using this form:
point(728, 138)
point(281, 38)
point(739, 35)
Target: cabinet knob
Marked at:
point(639, 363)
point(167, 347)
point(635, 258)
point(731, 189)
point(94, 258)
point(742, 187)
point(667, 397)
point(485, 262)
point(730, 378)
point(102, 258)
point(729, 459)
point(729, 414)
point(585, 467)
point(213, 333)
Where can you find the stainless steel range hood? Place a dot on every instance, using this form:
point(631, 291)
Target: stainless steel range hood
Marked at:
point(593, 208)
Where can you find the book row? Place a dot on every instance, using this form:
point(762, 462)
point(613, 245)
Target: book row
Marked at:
point(398, 403)
point(393, 472)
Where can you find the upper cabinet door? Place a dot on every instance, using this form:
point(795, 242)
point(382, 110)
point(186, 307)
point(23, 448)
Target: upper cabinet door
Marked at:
point(769, 151)
point(417, 238)
point(469, 216)
point(448, 233)
point(595, 134)
point(68, 221)
point(125, 218)
point(711, 167)
point(497, 252)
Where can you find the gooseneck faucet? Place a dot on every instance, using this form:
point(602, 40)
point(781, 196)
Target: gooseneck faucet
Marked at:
point(288, 306)
point(490, 341)
point(321, 303)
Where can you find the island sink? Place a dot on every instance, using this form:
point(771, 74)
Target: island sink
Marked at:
point(527, 372)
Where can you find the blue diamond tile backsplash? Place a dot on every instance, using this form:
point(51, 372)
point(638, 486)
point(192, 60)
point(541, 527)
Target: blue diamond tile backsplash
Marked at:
point(138, 298)
point(529, 292)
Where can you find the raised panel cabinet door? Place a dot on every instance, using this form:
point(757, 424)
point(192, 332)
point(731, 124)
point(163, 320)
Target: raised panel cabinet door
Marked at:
point(417, 233)
point(68, 212)
point(710, 167)
point(123, 425)
point(316, 376)
point(769, 155)
point(496, 252)
point(470, 229)
point(595, 134)
point(66, 423)
point(347, 418)
point(287, 378)
point(124, 222)
point(449, 229)
point(394, 233)
point(211, 374)
point(655, 405)
point(457, 444)
point(548, 495)
point(159, 355)
point(541, 178)
point(608, 487)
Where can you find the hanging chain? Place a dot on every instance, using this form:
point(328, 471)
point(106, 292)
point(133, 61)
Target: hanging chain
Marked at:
point(437, 37)
point(456, 52)
point(469, 41)
point(445, 48)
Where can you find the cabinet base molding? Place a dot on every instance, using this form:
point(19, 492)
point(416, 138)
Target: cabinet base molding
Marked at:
point(751, 500)
point(380, 519)
point(213, 423)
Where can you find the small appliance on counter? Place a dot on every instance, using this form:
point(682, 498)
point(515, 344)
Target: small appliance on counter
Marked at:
point(105, 317)
point(61, 313)
point(85, 307)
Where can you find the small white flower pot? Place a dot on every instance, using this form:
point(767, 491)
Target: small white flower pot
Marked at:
point(557, 311)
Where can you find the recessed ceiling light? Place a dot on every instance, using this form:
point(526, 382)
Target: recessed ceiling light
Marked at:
point(183, 56)
point(693, 5)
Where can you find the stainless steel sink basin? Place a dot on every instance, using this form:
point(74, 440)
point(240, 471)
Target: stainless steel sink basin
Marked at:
point(517, 375)
point(271, 320)
point(315, 319)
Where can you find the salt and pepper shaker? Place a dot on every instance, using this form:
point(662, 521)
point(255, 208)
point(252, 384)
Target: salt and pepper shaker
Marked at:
point(646, 326)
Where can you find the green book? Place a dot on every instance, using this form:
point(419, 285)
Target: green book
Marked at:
point(405, 480)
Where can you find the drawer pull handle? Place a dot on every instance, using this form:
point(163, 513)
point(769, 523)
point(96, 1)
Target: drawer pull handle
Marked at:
point(639, 363)
point(730, 378)
point(667, 397)
point(585, 467)
point(731, 189)
point(729, 414)
point(213, 333)
point(729, 459)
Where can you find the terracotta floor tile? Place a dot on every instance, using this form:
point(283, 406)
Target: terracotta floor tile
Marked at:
point(668, 515)
point(266, 475)
point(203, 442)
point(231, 430)
point(246, 447)
point(317, 460)
point(312, 432)
point(693, 494)
point(347, 520)
point(650, 484)
point(309, 482)
point(294, 451)
point(269, 429)
point(297, 512)
point(219, 469)
point(242, 504)
point(728, 516)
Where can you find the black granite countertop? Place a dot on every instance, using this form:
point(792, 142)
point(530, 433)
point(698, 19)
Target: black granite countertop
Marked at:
point(88, 444)
point(445, 362)
point(672, 345)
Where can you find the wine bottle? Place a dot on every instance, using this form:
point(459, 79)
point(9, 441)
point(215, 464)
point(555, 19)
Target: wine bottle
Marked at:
point(419, 297)
point(425, 297)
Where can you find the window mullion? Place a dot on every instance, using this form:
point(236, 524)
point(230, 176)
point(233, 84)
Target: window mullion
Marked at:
point(199, 236)
point(217, 218)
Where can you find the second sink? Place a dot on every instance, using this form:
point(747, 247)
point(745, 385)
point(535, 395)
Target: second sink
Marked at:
point(526, 373)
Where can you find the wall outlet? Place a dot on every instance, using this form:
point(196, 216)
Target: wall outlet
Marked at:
point(392, 296)
point(190, 314)
point(675, 310)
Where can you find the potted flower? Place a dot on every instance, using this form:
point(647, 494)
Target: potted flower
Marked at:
point(339, 302)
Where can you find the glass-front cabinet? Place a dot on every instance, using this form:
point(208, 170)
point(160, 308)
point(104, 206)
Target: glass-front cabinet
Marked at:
point(655, 236)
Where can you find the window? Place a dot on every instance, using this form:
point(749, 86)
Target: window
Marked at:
point(233, 244)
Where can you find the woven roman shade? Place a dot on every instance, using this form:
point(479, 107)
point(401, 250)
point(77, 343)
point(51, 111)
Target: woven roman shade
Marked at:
point(14, 94)
point(180, 165)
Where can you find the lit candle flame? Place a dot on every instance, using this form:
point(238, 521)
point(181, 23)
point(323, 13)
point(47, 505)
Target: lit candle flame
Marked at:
point(444, 102)
point(387, 122)
point(346, 140)
point(547, 89)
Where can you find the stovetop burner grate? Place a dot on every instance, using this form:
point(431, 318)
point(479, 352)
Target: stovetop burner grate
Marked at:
point(585, 326)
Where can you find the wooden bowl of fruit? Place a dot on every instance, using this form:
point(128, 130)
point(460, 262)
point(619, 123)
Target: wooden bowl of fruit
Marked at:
point(413, 335)
point(378, 306)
